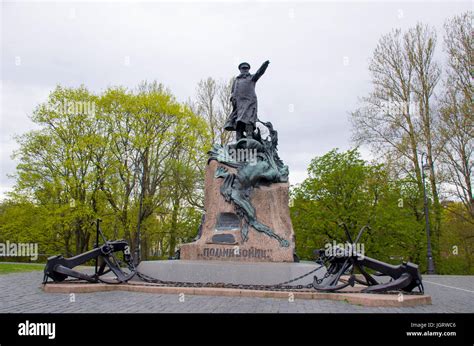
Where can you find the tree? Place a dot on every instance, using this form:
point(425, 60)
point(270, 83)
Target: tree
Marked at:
point(22, 221)
point(457, 245)
point(56, 162)
point(213, 104)
point(456, 128)
point(133, 161)
point(421, 43)
point(186, 174)
point(342, 188)
point(386, 121)
point(397, 118)
point(150, 132)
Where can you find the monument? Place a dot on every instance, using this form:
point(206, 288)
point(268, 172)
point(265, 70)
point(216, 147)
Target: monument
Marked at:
point(247, 214)
point(246, 220)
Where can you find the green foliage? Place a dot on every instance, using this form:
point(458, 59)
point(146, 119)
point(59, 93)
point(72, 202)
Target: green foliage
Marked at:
point(25, 222)
point(457, 240)
point(343, 188)
point(131, 157)
point(136, 159)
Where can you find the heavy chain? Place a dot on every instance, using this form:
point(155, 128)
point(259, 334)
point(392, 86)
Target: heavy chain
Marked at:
point(283, 286)
point(299, 278)
point(319, 281)
point(275, 287)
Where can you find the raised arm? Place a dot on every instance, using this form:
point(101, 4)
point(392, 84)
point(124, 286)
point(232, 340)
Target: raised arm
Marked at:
point(260, 71)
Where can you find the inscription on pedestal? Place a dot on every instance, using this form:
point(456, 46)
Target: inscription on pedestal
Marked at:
point(227, 222)
point(223, 239)
point(236, 252)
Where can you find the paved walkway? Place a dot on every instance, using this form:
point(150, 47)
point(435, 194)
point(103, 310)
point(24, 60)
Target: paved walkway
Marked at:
point(22, 292)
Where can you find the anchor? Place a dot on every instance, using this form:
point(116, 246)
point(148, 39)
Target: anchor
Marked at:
point(342, 261)
point(59, 268)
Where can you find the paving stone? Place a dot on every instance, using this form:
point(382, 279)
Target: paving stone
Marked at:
point(21, 293)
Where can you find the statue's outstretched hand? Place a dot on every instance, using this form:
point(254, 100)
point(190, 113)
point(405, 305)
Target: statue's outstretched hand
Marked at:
point(260, 71)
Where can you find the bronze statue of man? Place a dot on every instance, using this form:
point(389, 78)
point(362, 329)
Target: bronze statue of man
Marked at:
point(244, 101)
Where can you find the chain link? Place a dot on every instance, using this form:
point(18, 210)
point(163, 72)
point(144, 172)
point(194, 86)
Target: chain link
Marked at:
point(283, 286)
point(319, 281)
point(275, 287)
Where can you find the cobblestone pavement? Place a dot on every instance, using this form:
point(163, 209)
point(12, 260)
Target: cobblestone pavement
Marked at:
point(22, 292)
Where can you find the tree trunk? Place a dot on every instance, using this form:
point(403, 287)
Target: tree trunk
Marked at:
point(174, 225)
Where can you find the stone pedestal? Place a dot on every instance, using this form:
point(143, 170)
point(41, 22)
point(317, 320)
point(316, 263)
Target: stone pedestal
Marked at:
point(221, 237)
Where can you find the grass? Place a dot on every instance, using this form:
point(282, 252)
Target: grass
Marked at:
point(7, 268)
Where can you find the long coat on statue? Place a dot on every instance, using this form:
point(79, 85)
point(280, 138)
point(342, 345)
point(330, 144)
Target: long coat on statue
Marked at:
point(244, 99)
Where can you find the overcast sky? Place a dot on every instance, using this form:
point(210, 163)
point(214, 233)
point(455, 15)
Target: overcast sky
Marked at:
point(319, 53)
